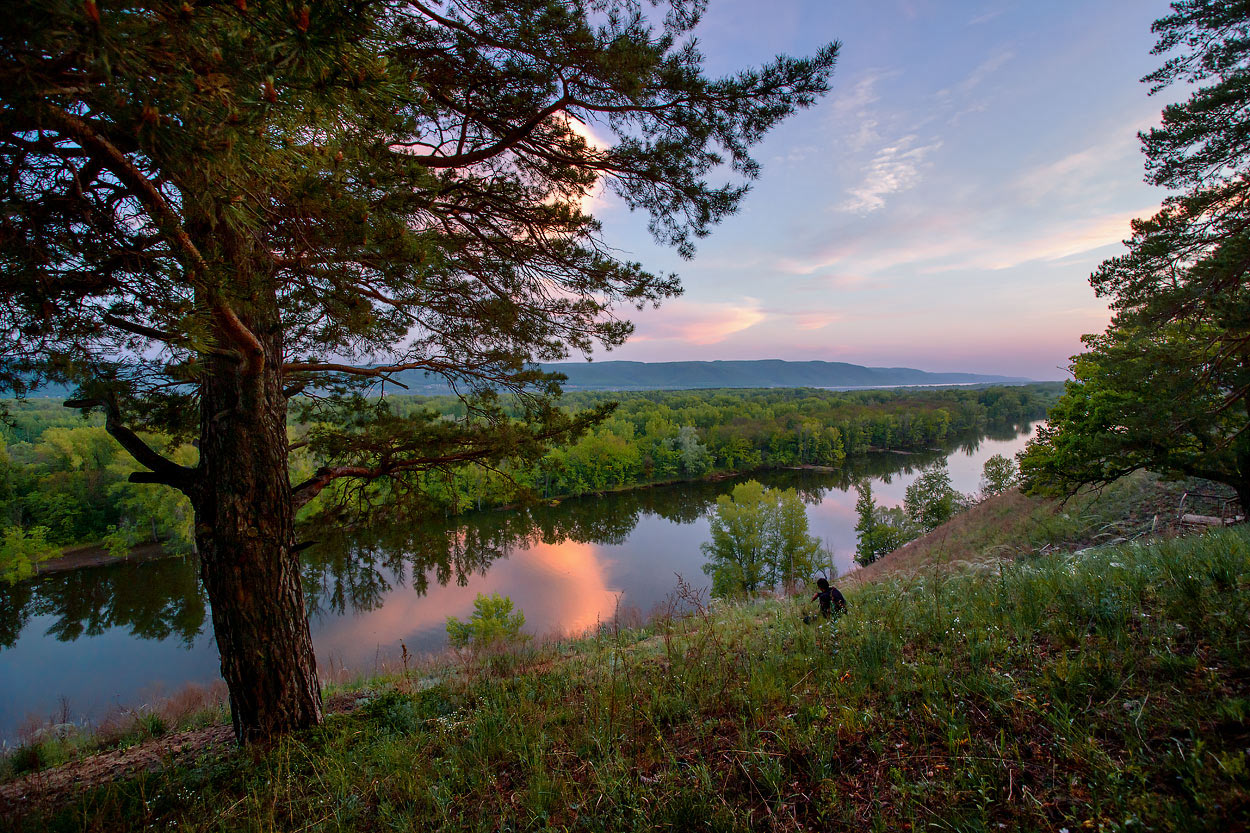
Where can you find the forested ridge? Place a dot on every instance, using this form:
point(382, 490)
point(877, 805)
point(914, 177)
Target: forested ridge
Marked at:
point(63, 478)
point(756, 373)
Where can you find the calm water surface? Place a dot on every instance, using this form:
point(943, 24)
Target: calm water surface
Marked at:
point(108, 638)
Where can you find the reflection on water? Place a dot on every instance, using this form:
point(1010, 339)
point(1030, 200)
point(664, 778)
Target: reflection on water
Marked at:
point(113, 636)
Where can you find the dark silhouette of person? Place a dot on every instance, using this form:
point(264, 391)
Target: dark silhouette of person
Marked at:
point(831, 601)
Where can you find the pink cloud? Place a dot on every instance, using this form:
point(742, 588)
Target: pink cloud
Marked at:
point(700, 324)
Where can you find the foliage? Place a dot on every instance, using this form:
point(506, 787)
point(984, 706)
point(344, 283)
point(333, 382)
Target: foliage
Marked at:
point(1167, 386)
point(759, 540)
point(939, 702)
point(930, 499)
point(998, 475)
point(930, 502)
point(116, 542)
point(879, 530)
point(71, 479)
point(662, 436)
point(651, 437)
point(493, 624)
point(21, 550)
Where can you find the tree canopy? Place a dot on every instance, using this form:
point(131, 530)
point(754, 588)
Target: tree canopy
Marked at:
point(759, 540)
point(213, 208)
point(1167, 386)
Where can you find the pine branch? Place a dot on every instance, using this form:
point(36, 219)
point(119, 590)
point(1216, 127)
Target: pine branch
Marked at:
point(107, 154)
point(138, 329)
point(112, 158)
point(325, 475)
point(513, 138)
point(163, 470)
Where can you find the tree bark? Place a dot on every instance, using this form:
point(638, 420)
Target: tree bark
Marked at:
point(244, 531)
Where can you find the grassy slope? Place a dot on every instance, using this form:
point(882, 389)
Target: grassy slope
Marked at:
point(1103, 691)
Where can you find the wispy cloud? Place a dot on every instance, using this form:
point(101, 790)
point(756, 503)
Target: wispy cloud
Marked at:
point(985, 70)
point(701, 324)
point(816, 320)
point(1080, 171)
point(1067, 240)
point(959, 241)
point(856, 106)
point(894, 169)
point(985, 17)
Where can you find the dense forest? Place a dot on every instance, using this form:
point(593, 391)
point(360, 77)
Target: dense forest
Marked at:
point(63, 478)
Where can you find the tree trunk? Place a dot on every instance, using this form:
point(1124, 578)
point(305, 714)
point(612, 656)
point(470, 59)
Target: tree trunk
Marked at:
point(244, 531)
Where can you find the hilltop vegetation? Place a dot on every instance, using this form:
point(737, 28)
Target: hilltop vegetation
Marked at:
point(1104, 690)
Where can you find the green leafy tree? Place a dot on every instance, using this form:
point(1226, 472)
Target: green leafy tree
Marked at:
point(866, 550)
point(494, 624)
point(738, 554)
point(210, 207)
point(930, 500)
point(795, 553)
point(695, 459)
point(1167, 386)
point(21, 550)
point(759, 540)
point(998, 475)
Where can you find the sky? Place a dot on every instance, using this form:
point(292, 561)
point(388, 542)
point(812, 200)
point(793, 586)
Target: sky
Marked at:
point(942, 208)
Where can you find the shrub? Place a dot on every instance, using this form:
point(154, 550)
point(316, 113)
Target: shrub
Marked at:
point(493, 624)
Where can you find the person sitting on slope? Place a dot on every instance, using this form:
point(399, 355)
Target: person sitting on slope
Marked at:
point(831, 601)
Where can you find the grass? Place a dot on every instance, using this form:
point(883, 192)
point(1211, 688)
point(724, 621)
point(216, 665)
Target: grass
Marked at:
point(1101, 691)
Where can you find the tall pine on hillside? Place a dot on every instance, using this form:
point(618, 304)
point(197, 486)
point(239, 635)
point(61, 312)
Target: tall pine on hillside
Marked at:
point(211, 208)
point(1167, 386)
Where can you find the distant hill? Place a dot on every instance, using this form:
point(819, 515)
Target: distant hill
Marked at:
point(765, 373)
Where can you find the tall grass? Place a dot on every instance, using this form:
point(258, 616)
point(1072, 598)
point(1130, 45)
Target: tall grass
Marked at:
point(1102, 691)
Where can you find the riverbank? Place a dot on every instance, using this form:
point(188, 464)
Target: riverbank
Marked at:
point(94, 555)
point(1105, 690)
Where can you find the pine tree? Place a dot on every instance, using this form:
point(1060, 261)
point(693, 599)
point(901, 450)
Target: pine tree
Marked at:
point(1167, 386)
point(217, 211)
point(866, 550)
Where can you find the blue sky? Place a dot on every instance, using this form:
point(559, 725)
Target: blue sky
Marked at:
point(942, 208)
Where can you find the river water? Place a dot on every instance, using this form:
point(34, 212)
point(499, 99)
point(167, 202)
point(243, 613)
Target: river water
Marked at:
point(97, 640)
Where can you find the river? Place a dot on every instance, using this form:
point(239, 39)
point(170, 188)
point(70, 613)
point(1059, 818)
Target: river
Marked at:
point(102, 639)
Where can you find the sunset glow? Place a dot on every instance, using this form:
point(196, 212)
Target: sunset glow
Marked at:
point(942, 208)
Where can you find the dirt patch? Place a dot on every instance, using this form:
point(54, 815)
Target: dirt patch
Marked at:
point(53, 786)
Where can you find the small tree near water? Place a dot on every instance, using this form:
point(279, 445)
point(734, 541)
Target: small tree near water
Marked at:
point(880, 529)
point(931, 500)
point(759, 540)
point(21, 550)
point(998, 475)
point(493, 624)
